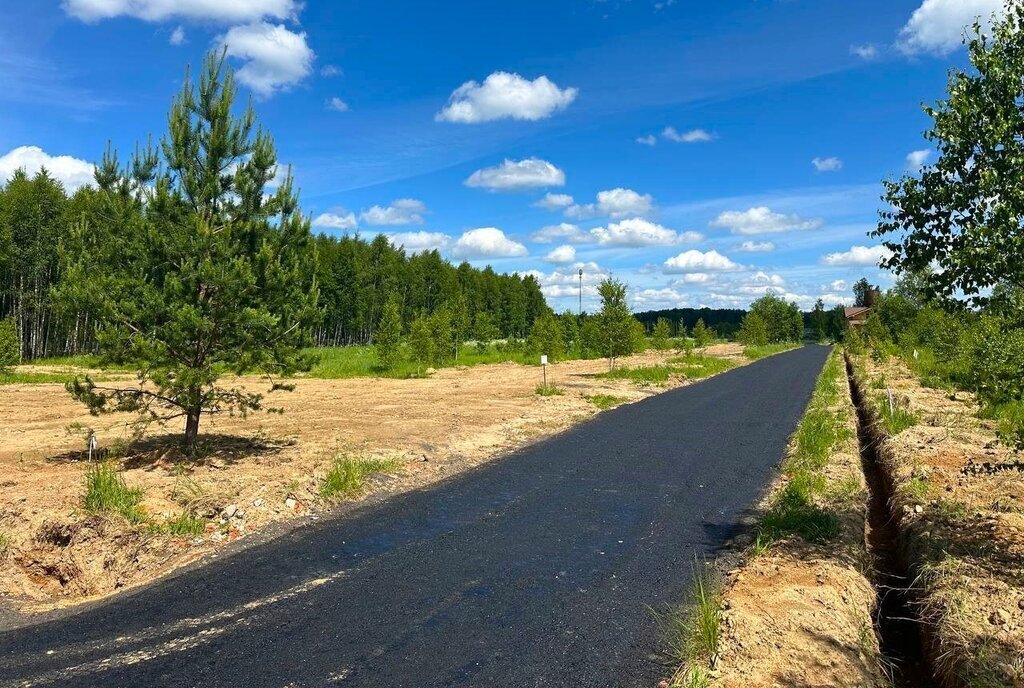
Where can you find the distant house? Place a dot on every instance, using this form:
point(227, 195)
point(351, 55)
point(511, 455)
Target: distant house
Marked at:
point(856, 316)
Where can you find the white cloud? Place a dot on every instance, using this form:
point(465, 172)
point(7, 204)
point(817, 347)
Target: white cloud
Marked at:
point(487, 242)
point(553, 201)
point(177, 36)
point(336, 221)
point(404, 211)
point(275, 58)
point(756, 246)
point(858, 256)
point(417, 242)
point(763, 279)
point(666, 297)
point(517, 174)
point(330, 70)
point(692, 136)
point(694, 278)
point(636, 232)
point(562, 254)
point(565, 281)
point(827, 164)
point(337, 104)
point(562, 232)
point(917, 159)
point(504, 95)
point(937, 26)
point(839, 285)
point(224, 11)
point(614, 203)
point(864, 52)
point(71, 172)
point(762, 220)
point(649, 140)
point(696, 261)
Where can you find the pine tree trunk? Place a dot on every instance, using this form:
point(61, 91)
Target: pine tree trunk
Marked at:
point(191, 429)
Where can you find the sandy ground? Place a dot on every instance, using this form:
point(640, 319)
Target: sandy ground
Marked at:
point(267, 466)
point(801, 614)
point(961, 498)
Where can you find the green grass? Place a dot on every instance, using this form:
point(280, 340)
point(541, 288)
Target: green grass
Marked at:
point(549, 391)
point(182, 525)
point(347, 475)
point(691, 632)
point(606, 401)
point(1010, 422)
point(895, 419)
point(106, 492)
point(33, 378)
point(698, 366)
point(81, 361)
point(644, 375)
point(755, 353)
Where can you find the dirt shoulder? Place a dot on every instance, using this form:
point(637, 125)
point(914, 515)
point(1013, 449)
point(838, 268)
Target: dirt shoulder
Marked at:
point(798, 611)
point(958, 496)
point(263, 469)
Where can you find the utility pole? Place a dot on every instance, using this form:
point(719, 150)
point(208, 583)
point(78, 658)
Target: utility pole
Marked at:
point(581, 291)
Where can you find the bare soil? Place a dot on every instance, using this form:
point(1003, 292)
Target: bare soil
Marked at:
point(267, 466)
point(960, 506)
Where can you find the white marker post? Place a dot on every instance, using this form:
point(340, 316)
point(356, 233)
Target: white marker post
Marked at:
point(544, 366)
point(92, 445)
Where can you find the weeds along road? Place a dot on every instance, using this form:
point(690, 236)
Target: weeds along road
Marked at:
point(539, 569)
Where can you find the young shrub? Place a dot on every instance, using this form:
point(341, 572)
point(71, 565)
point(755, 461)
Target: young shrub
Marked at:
point(702, 334)
point(106, 492)
point(661, 334)
point(616, 325)
point(546, 337)
point(388, 337)
point(753, 331)
point(421, 342)
point(442, 331)
point(10, 345)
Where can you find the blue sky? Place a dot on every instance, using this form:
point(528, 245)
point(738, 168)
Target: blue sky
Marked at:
point(703, 152)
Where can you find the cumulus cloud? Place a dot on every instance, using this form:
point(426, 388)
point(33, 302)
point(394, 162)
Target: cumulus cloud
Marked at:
point(177, 36)
point(756, 247)
point(329, 70)
point(517, 174)
point(649, 140)
point(224, 11)
point(561, 255)
point(71, 172)
point(839, 285)
point(697, 261)
point(417, 242)
point(503, 95)
point(694, 278)
point(337, 104)
point(827, 164)
point(917, 159)
point(614, 203)
point(553, 201)
point(404, 211)
point(937, 26)
point(692, 136)
point(664, 297)
point(487, 242)
point(562, 232)
point(858, 256)
point(762, 220)
point(275, 59)
point(636, 232)
point(565, 281)
point(336, 221)
point(864, 52)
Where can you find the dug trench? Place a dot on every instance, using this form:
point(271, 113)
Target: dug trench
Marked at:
point(902, 636)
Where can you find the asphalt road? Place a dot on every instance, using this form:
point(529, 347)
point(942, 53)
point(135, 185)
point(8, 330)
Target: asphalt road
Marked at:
point(540, 569)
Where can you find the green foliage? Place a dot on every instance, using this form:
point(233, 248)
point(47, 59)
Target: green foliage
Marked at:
point(819, 321)
point(106, 492)
point(755, 353)
point(606, 401)
point(783, 321)
point(691, 632)
point(347, 475)
point(421, 341)
point(644, 375)
point(182, 525)
point(896, 418)
point(661, 334)
point(549, 391)
point(388, 337)
point(10, 345)
point(698, 366)
point(618, 333)
point(484, 330)
point(962, 214)
point(195, 272)
point(547, 337)
point(702, 334)
point(753, 331)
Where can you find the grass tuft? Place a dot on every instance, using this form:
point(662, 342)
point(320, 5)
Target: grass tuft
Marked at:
point(755, 353)
point(549, 391)
point(692, 631)
point(106, 492)
point(182, 525)
point(895, 419)
point(347, 475)
point(606, 401)
point(645, 375)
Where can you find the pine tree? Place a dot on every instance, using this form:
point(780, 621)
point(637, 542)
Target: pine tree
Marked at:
point(217, 278)
point(702, 335)
point(388, 338)
point(421, 341)
point(661, 334)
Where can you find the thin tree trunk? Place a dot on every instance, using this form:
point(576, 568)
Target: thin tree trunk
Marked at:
point(191, 429)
